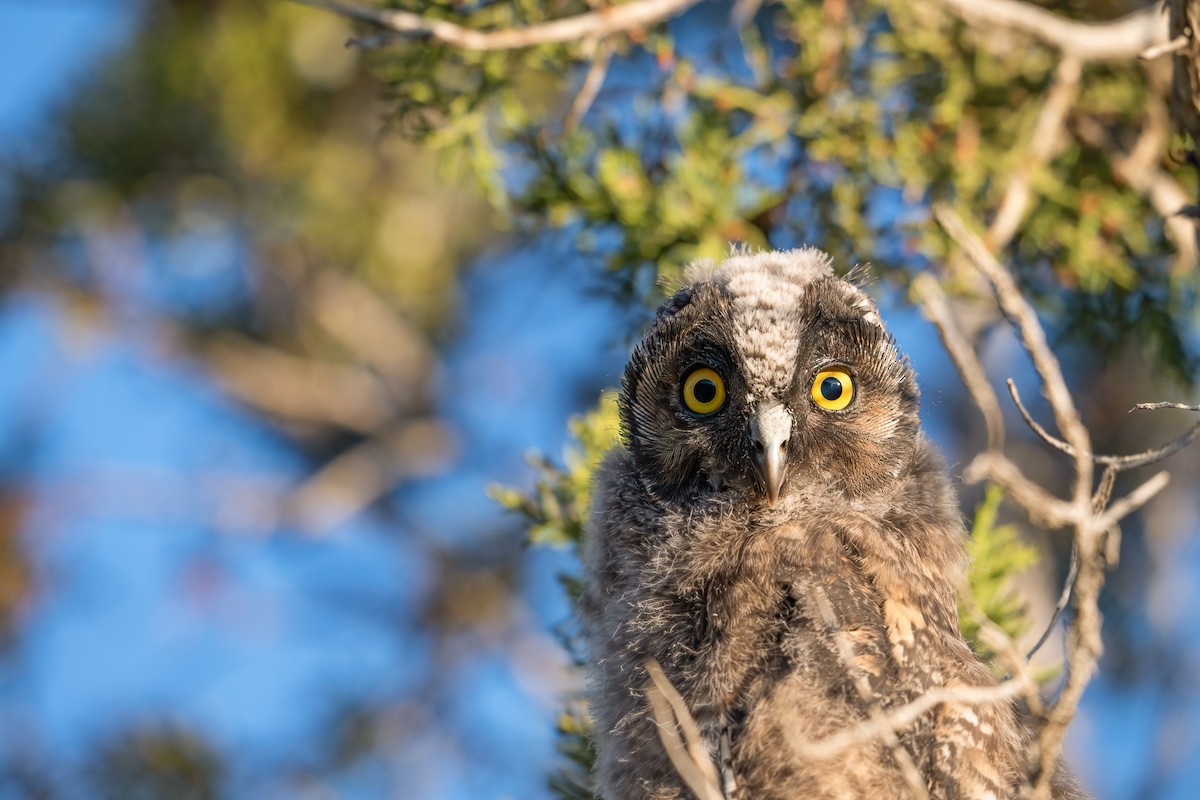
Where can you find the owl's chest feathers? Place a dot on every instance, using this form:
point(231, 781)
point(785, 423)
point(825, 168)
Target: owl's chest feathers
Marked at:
point(751, 604)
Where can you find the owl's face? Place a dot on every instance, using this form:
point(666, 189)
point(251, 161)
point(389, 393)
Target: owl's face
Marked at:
point(765, 376)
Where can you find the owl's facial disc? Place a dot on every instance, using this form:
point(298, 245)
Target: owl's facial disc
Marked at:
point(770, 430)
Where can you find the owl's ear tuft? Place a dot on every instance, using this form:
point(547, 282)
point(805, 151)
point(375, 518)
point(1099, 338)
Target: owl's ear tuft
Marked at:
point(700, 270)
point(859, 275)
point(674, 304)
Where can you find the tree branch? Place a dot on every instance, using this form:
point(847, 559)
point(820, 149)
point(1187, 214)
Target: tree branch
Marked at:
point(1093, 519)
point(1119, 462)
point(680, 736)
point(624, 17)
point(1139, 169)
point(358, 477)
point(1163, 404)
point(902, 716)
point(301, 389)
point(1023, 318)
point(936, 308)
point(1048, 136)
point(1119, 40)
point(592, 83)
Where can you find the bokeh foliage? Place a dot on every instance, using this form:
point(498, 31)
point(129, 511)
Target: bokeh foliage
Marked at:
point(219, 190)
point(829, 123)
point(556, 509)
point(997, 556)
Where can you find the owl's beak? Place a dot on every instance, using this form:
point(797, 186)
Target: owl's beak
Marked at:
point(770, 429)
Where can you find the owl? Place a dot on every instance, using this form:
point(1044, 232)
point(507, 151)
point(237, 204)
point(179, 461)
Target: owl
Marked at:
point(778, 534)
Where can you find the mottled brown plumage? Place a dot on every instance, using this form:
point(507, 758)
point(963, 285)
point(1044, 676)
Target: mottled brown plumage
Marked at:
point(749, 604)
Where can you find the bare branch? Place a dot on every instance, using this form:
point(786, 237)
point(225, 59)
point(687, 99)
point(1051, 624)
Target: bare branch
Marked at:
point(1119, 40)
point(298, 388)
point(364, 473)
point(1042, 507)
point(1085, 512)
point(1131, 502)
point(1048, 138)
point(1022, 315)
point(743, 12)
point(624, 17)
point(1034, 425)
point(1005, 648)
point(369, 327)
point(1163, 404)
point(902, 716)
point(1064, 597)
point(592, 83)
point(671, 714)
point(1120, 462)
point(1166, 48)
point(936, 309)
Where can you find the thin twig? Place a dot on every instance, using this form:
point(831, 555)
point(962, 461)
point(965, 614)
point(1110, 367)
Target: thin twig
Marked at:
point(1048, 137)
point(1064, 597)
point(1005, 648)
point(686, 752)
point(1166, 48)
point(902, 716)
point(1034, 425)
point(592, 84)
point(743, 12)
point(1163, 404)
point(1132, 501)
point(1022, 315)
point(593, 24)
point(1120, 462)
point(936, 308)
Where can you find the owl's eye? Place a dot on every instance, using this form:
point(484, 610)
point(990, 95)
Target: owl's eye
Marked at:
point(833, 389)
point(703, 391)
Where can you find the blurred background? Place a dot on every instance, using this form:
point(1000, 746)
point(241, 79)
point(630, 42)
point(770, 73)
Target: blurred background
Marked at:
point(290, 335)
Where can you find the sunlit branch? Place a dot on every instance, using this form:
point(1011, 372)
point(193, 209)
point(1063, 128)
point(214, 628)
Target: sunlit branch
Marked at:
point(1048, 136)
point(300, 389)
point(592, 83)
point(364, 473)
point(1092, 518)
point(1119, 40)
point(679, 734)
point(1163, 404)
point(936, 308)
point(902, 716)
point(613, 19)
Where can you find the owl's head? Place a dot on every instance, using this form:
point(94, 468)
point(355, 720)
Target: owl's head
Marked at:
point(767, 375)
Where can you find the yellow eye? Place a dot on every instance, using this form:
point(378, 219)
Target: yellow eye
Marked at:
point(833, 389)
point(703, 391)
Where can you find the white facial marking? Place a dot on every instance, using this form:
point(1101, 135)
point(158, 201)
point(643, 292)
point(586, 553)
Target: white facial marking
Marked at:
point(766, 289)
